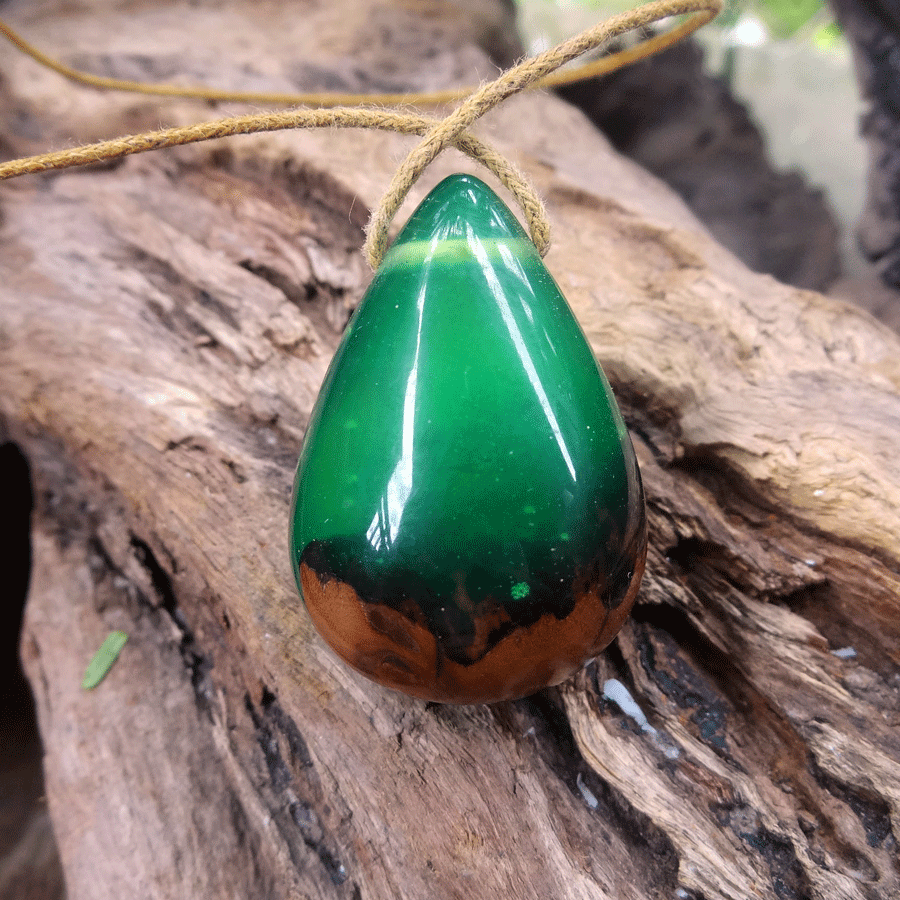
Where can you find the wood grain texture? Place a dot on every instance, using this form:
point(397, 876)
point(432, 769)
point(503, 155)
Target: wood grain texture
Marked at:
point(164, 327)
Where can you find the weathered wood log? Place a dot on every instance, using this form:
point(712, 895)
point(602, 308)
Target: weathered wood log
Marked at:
point(166, 323)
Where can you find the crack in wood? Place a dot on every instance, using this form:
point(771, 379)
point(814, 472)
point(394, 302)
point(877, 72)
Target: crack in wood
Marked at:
point(294, 786)
point(198, 664)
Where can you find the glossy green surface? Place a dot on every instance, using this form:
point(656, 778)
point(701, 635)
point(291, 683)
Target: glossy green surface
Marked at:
point(465, 445)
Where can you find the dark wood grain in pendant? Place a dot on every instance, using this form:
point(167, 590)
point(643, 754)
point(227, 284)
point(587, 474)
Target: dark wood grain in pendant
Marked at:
point(498, 655)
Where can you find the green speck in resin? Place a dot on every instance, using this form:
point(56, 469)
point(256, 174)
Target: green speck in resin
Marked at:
point(497, 498)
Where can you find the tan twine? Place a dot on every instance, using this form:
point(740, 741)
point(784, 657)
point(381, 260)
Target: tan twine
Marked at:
point(355, 111)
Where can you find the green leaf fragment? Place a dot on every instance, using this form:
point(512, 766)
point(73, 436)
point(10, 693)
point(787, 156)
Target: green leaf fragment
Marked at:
point(103, 660)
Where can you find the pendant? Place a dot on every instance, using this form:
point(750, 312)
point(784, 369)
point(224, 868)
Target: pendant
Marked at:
point(468, 520)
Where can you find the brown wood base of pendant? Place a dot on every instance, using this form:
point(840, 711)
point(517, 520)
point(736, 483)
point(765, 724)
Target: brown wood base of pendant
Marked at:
point(393, 650)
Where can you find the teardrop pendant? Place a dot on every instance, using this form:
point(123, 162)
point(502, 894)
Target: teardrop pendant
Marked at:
point(468, 521)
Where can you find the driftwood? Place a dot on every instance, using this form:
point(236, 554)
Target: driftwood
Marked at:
point(164, 326)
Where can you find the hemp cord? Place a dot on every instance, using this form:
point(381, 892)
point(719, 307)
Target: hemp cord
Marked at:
point(438, 134)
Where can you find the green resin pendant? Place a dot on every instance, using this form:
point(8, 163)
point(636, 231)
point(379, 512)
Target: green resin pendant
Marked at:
point(468, 520)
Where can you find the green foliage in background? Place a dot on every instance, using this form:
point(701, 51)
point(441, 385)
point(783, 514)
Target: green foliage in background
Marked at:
point(784, 18)
point(800, 19)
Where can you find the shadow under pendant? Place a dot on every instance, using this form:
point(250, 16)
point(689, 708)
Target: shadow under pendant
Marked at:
point(468, 521)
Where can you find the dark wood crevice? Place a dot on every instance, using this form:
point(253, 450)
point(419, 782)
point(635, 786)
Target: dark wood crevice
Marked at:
point(30, 867)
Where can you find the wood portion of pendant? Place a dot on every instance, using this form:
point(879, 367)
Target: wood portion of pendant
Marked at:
point(499, 653)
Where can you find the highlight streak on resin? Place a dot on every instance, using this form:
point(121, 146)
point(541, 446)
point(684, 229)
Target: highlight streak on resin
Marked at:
point(452, 250)
point(468, 520)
